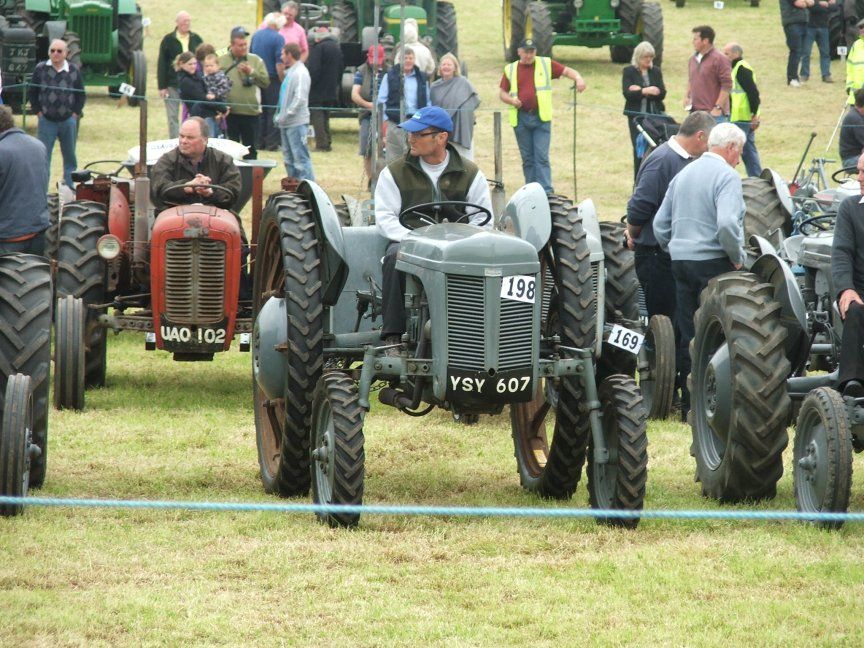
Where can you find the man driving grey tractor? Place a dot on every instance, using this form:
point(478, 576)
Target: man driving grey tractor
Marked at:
point(431, 172)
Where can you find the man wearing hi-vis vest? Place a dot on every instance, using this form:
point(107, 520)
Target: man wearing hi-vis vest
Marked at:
point(855, 64)
point(527, 88)
point(744, 105)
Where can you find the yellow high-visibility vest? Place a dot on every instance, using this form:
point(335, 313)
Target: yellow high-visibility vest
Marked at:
point(542, 88)
point(740, 103)
point(855, 70)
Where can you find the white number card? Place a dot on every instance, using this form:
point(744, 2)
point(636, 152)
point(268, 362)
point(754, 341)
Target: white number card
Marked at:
point(624, 338)
point(519, 288)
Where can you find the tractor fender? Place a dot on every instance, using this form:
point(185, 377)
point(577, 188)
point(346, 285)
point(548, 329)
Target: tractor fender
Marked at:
point(591, 224)
point(42, 6)
point(269, 335)
point(527, 215)
point(334, 269)
point(125, 7)
point(762, 244)
point(54, 29)
point(771, 269)
point(782, 189)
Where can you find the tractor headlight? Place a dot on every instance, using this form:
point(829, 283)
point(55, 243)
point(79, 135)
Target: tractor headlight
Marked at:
point(615, 3)
point(108, 247)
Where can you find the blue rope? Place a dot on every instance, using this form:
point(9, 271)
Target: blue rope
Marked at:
point(450, 511)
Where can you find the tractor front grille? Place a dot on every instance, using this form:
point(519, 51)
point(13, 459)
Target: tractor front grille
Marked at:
point(95, 33)
point(515, 350)
point(466, 345)
point(194, 281)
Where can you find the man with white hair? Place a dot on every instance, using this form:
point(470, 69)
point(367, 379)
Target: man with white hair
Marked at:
point(700, 224)
point(267, 43)
point(182, 39)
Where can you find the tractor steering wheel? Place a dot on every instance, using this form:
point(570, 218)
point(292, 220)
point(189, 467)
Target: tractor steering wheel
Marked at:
point(816, 224)
point(432, 213)
point(835, 177)
point(175, 194)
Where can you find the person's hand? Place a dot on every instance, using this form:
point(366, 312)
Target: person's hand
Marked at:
point(754, 123)
point(629, 240)
point(635, 88)
point(737, 266)
point(210, 96)
point(516, 101)
point(801, 4)
point(245, 68)
point(715, 112)
point(163, 93)
point(651, 91)
point(847, 298)
point(580, 84)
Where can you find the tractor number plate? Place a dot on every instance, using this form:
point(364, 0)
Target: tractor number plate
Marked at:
point(185, 337)
point(504, 387)
point(519, 288)
point(624, 338)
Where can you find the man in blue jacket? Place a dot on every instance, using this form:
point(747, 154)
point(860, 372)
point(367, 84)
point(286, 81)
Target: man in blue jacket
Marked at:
point(402, 84)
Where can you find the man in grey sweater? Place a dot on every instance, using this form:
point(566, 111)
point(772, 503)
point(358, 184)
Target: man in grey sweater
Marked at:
point(292, 116)
point(700, 224)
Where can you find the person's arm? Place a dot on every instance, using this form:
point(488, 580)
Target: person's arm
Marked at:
point(659, 84)
point(230, 179)
point(748, 85)
point(478, 194)
point(358, 99)
point(388, 206)
point(630, 86)
point(79, 97)
point(162, 68)
point(383, 93)
point(724, 72)
point(259, 73)
point(729, 203)
point(646, 197)
point(856, 131)
point(663, 219)
point(304, 45)
point(843, 255)
point(572, 74)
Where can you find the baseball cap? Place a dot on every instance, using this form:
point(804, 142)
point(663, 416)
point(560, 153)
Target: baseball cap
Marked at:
point(239, 32)
point(370, 55)
point(528, 44)
point(428, 117)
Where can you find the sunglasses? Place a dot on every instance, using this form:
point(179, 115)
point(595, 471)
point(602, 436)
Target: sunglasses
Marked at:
point(56, 51)
point(424, 134)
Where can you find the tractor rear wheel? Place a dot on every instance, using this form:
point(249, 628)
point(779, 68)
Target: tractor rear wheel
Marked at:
point(822, 457)
point(628, 12)
point(446, 30)
point(53, 225)
point(739, 405)
point(82, 273)
point(514, 16)
point(287, 265)
point(764, 213)
point(657, 367)
point(344, 16)
point(130, 37)
point(25, 340)
point(137, 77)
point(619, 484)
point(16, 442)
point(554, 469)
point(73, 48)
point(836, 34)
point(338, 458)
point(651, 30)
point(69, 323)
point(539, 27)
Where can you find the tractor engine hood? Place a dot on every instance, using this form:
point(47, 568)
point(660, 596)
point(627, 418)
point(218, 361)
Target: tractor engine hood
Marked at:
point(466, 249)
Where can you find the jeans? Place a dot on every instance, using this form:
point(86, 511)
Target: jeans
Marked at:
point(213, 125)
point(820, 35)
point(795, 42)
point(295, 152)
point(750, 155)
point(533, 136)
point(172, 107)
point(67, 132)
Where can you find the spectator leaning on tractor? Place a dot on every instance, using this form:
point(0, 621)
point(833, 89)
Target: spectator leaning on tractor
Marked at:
point(362, 94)
point(23, 211)
point(847, 269)
point(325, 70)
point(432, 171)
point(745, 105)
point(794, 17)
point(182, 39)
point(700, 224)
point(817, 30)
point(292, 116)
point(247, 73)
point(852, 132)
point(709, 78)
point(527, 87)
point(855, 64)
point(57, 97)
point(455, 94)
point(404, 86)
point(644, 91)
point(267, 43)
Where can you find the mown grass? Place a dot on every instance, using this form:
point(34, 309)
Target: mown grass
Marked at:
point(186, 431)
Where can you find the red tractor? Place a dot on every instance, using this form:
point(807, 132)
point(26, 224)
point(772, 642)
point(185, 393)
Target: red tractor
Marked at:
point(174, 275)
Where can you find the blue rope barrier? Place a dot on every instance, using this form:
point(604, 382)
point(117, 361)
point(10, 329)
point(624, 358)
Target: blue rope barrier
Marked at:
point(436, 511)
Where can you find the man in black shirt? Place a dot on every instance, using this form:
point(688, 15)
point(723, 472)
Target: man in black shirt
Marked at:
point(852, 132)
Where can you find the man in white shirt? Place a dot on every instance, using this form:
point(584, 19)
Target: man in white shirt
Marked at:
point(432, 171)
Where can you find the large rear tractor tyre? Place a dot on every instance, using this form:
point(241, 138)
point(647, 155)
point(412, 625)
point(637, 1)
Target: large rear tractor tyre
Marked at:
point(553, 469)
point(836, 35)
point(657, 367)
point(52, 232)
point(130, 37)
point(628, 13)
point(539, 27)
point(739, 405)
point(446, 30)
point(338, 458)
point(764, 213)
point(651, 21)
point(288, 265)
point(137, 77)
point(514, 14)
point(25, 340)
point(69, 345)
point(822, 457)
point(344, 16)
point(16, 446)
point(82, 273)
point(619, 484)
point(73, 48)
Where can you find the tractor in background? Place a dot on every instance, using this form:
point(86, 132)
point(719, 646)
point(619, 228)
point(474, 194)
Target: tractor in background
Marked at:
point(17, 55)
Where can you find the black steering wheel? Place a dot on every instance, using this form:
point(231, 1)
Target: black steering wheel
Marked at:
point(432, 213)
point(175, 194)
point(835, 177)
point(816, 224)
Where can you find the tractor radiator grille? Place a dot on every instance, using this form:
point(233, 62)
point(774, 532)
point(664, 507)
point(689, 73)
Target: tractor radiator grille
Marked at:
point(548, 286)
point(95, 33)
point(465, 322)
point(516, 346)
point(194, 281)
point(595, 272)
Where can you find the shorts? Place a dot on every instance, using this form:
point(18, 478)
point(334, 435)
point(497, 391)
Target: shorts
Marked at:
point(365, 134)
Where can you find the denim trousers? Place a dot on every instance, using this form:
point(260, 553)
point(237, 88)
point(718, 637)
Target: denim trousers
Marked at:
point(750, 155)
point(820, 35)
point(67, 132)
point(795, 42)
point(295, 152)
point(533, 136)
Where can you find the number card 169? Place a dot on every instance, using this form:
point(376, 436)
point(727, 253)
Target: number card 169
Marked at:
point(624, 338)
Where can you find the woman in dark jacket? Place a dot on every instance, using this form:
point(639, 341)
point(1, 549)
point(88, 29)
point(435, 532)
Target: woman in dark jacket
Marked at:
point(644, 91)
point(193, 90)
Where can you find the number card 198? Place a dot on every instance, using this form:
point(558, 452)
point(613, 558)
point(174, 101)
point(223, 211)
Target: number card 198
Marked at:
point(519, 288)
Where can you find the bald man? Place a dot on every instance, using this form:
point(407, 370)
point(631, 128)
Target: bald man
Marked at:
point(182, 39)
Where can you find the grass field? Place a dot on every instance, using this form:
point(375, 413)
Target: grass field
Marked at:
point(185, 431)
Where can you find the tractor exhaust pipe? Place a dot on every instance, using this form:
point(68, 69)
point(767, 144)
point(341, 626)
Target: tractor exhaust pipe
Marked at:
point(142, 199)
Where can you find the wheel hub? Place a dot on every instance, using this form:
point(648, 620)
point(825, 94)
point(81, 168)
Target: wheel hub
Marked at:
point(810, 461)
point(717, 391)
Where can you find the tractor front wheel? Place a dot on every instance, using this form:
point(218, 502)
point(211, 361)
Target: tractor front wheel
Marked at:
point(822, 457)
point(657, 367)
point(69, 323)
point(16, 446)
point(137, 75)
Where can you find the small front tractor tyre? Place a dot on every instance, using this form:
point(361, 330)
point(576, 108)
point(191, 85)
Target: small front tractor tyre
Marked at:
point(69, 344)
point(137, 77)
point(657, 367)
point(130, 37)
point(628, 12)
point(73, 48)
point(16, 447)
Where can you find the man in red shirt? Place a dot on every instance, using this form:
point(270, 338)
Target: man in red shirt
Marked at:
point(530, 101)
point(710, 77)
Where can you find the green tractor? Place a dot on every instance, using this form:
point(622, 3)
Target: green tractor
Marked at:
point(105, 38)
point(620, 24)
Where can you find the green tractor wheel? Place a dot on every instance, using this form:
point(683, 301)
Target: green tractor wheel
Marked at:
point(628, 13)
point(73, 48)
point(344, 16)
point(523, 19)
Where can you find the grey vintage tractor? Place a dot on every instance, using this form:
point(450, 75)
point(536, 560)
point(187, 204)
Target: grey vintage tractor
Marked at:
point(495, 318)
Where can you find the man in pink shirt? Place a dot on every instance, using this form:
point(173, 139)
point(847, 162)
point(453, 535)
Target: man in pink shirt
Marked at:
point(710, 77)
point(293, 32)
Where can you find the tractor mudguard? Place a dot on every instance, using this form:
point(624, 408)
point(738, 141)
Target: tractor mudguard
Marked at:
point(771, 269)
point(334, 269)
point(125, 7)
point(43, 6)
point(527, 213)
point(591, 224)
point(782, 189)
point(269, 335)
point(55, 29)
point(763, 245)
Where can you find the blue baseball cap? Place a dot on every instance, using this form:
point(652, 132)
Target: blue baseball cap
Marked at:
point(428, 117)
